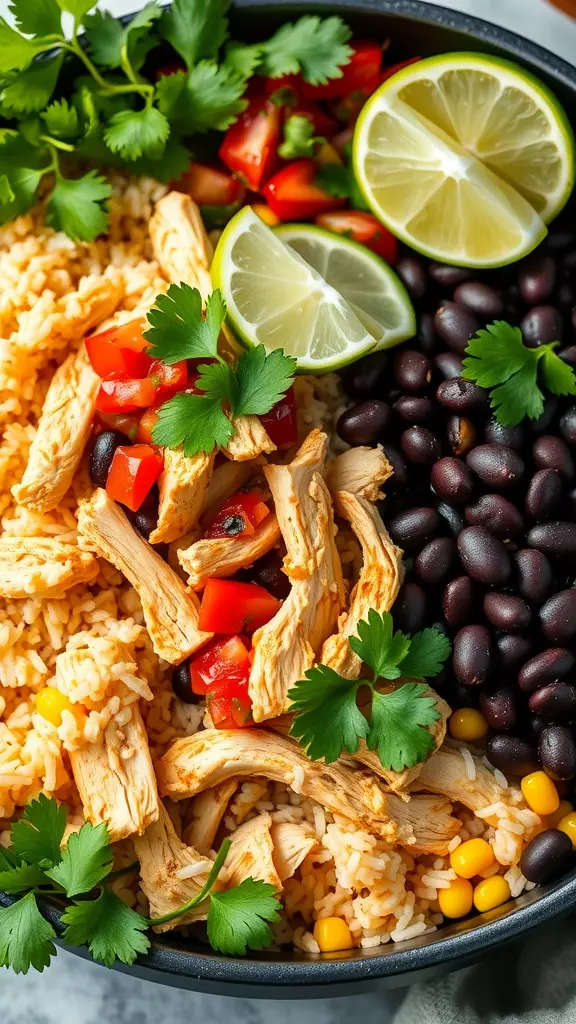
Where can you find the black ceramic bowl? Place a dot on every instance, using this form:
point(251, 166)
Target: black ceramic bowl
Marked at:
point(413, 28)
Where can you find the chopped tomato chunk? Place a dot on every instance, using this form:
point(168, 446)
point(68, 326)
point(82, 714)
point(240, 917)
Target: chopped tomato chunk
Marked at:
point(146, 424)
point(292, 193)
point(125, 395)
point(222, 661)
point(133, 473)
point(361, 73)
point(239, 515)
point(249, 146)
point(211, 186)
point(280, 423)
point(168, 380)
point(232, 607)
point(364, 228)
point(126, 423)
point(230, 706)
point(129, 335)
point(110, 361)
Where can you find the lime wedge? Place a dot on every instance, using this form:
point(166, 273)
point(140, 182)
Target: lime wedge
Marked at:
point(465, 157)
point(372, 290)
point(274, 298)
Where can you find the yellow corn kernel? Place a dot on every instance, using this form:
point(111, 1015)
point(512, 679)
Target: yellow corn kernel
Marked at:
point(467, 725)
point(266, 214)
point(490, 893)
point(327, 154)
point(540, 793)
point(332, 934)
point(564, 808)
point(471, 857)
point(568, 825)
point(457, 900)
point(50, 703)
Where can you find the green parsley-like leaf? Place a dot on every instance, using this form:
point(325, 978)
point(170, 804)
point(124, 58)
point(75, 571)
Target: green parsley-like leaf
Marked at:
point(39, 18)
point(328, 719)
point(30, 90)
point(209, 97)
point(6, 193)
point(24, 183)
point(493, 355)
point(238, 918)
point(8, 859)
point(397, 726)
point(16, 51)
point(135, 133)
point(557, 375)
point(170, 166)
point(22, 877)
point(77, 8)
point(312, 45)
point(110, 929)
point(196, 28)
point(299, 138)
point(518, 397)
point(243, 58)
point(195, 422)
point(25, 937)
point(178, 331)
point(75, 206)
point(218, 380)
point(334, 179)
point(36, 837)
point(61, 120)
point(378, 646)
point(263, 378)
point(86, 860)
point(104, 35)
point(427, 653)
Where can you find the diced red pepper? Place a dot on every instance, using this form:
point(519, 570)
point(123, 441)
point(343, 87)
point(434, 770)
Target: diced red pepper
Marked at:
point(211, 186)
point(249, 146)
point(292, 193)
point(126, 423)
point(364, 228)
point(125, 395)
point(168, 380)
point(221, 661)
point(230, 706)
point(361, 73)
point(232, 607)
point(388, 72)
point(239, 515)
point(280, 423)
point(133, 473)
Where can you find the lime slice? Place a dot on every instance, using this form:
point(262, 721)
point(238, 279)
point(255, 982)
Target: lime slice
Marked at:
point(465, 157)
point(371, 289)
point(276, 299)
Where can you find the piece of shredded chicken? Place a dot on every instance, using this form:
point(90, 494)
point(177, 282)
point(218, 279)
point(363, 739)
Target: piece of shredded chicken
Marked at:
point(116, 780)
point(221, 557)
point(287, 646)
point(428, 819)
point(228, 478)
point(251, 854)
point(182, 489)
point(63, 431)
point(205, 813)
point(42, 567)
point(249, 440)
point(360, 471)
point(170, 611)
point(446, 773)
point(74, 314)
point(291, 842)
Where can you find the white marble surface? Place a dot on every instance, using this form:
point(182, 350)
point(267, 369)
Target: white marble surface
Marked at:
point(76, 992)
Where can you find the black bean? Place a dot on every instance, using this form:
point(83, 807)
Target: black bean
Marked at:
point(452, 519)
point(420, 446)
point(557, 751)
point(497, 514)
point(410, 608)
point(512, 649)
point(146, 518)
point(534, 578)
point(460, 601)
point(426, 336)
point(556, 701)
point(460, 434)
point(565, 295)
point(436, 560)
point(512, 755)
point(413, 409)
point(541, 425)
point(448, 364)
point(567, 424)
point(537, 725)
point(550, 452)
point(365, 423)
point(447, 276)
point(399, 479)
point(541, 325)
point(182, 684)
point(496, 465)
point(536, 279)
point(544, 495)
point(367, 377)
point(480, 298)
point(451, 480)
point(413, 275)
point(461, 396)
point(558, 618)
point(102, 453)
point(414, 527)
point(412, 371)
point(550, 666)
point(569, 260)
point(483, 556)
point(268, 572)
point(455, 325)
point(472, 655)
point(559, 239)
point(507, 612)
point(510, 437)
point(499, 708)
point(556, 538)
point(547, 856)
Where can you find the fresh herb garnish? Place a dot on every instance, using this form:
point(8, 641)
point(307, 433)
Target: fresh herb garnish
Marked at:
point(498, 359)
point(338, 180)
point(299, 138)
point(197, 422)
point(328, 720)
point(36, 866)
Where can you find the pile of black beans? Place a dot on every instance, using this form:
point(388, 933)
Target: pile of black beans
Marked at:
point(486, 515)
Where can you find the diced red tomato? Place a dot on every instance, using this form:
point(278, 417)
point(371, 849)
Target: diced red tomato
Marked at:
point(388, 72)
point(362, 73)
point(221, 661)
point(280, 423)
point(129, 335)
point(168, 380)
point(126, 423)
point(133, 473)
point(239, 515)
point(125, 395)
point(110, 361)
point(232, 607)
point(293, 195)
point(211, 186)
point(230, 706)
point(146, 424)
point(364, 228)
point(249, 146)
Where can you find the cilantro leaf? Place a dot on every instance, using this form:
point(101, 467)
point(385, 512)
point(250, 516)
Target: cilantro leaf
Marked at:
point(6, 193)
point(40, 18)
point(427, 653)
point(196, 28)
point(110, 929)
point(209, 97)
point(312, 45)
point(170, 166)
point(86, 860)
point(77, 8)
point(25, 937)
point(557, 375)
point(334, 179)
point(218, 380)
point(397, 726)
point(243, 58)
point(263, 378)
point(328, 719)
point(195, 422)
point(299, 138)
point(104, 36)
point(37, 836)
point(238, 917)
point(378, 646)
point(75, 206)
point(61, 120)
point(495, 354)
point(177, 330)
point(134, 133)
point(22, 877)
point(31, 89)
point(16, 51)
point(518, 397)
point(24, 183)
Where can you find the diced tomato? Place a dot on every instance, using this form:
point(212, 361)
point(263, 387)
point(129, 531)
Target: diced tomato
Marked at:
point(361, 73)
point(280, 423)
point(347, 109)
point(133, 472)
point(293, 195)
point(129, 335)
point(239, 515)
point(211, 186)
point(110, 361)
point(170, 68)
point(221, 661)
point(168, 380)
point(249, 146)
point(230, 706)
point(364, 228)
point(232, 607)
point(125, 395)
point(146, 424)
point(126, 423)
point(388, 72)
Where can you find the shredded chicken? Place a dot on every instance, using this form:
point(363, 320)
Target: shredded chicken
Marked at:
point(292, 842)
point(289, 644)
point(251, 854)
point(170, 612)
point(74, 314)
point(205, 813)
point(360, 471)
point(228, 478)
point(446, 773)
point(249, 440)
point(116, 781)
point(63, 430)
point(223, 556)
point(429, 820)
point(182, 486)
point(42, 567)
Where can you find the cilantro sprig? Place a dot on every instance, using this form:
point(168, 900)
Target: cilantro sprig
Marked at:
point(197, 422)
point(328, 720)
point(35, 865)
point(498, 359)
point(299, 138)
